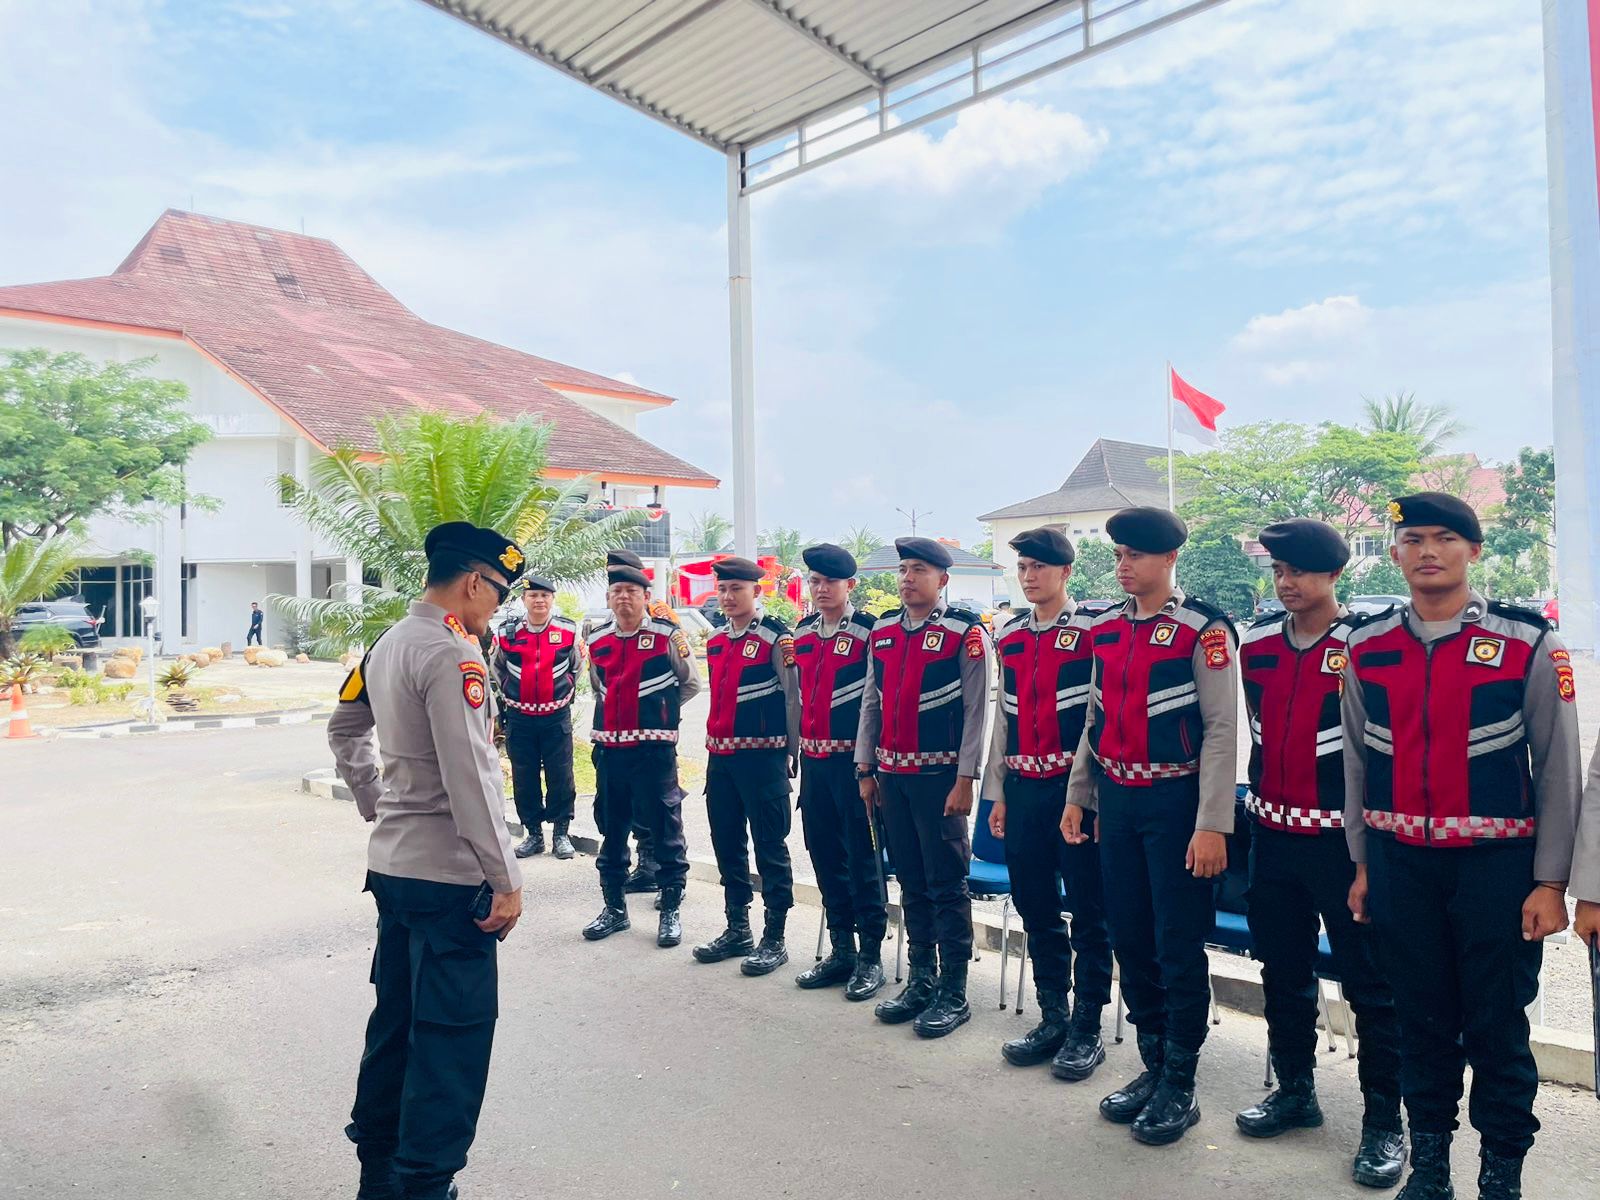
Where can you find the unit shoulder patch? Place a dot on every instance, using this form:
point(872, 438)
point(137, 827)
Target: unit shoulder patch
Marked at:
point(474, 686)
point(680, 643)
point(1214, 642)
point(1566, 685)
point(786, 649)
point(973, 639)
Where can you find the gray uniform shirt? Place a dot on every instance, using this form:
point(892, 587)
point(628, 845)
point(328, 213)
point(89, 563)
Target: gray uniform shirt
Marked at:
point(994, 769)
point(1217, 693)
point(1584, 882)
point(439, 806)
point(1551, 727)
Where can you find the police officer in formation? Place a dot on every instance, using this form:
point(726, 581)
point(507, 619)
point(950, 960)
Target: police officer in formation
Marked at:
point(537, 659)
point(1462, 792)
point(831, 648)
point(917, 756)
point(642, 672)
point(440, 866)
point(1292, 666)
point(1157, 764)
point(1044, 660)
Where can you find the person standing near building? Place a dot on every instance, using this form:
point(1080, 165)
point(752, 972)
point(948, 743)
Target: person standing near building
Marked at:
point(831, 650)
point(1462, 791)
point(256, 618)
point(1292, 666)
point(439, 866)
point(1045, 660)
point(642, 672)
point(537, 658)
point(753, 743)
point(1157, 761)
point(918, 753)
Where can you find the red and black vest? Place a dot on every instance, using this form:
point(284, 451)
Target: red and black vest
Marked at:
point(1447, 760)
point(918, 676)
point(833, 674)
point(1296, 739)
point(1044, 691)
point(748, 708)
point(1147, 723)
point(638, 694)
point(536, 671)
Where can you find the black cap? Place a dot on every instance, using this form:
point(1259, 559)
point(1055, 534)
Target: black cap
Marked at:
point(1047, 544)
point(1148, 530)
point(538, 583)
point(834, 562)
point(1436, 508)
point(622, 573)
point(925, 549)
point(734, 567)
point(623, 558)
point(468, 541)
point(1305, 544)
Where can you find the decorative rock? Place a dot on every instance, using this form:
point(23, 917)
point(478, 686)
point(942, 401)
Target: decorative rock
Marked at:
point(212, 653)
point(271, 658)
point(134, 652)
point(118, 667)
point(302, 658)
point(226, 650)
point(251, 653)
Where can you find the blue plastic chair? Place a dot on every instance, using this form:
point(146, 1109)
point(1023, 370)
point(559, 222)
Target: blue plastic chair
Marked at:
point(988, 878)
point(900, 925)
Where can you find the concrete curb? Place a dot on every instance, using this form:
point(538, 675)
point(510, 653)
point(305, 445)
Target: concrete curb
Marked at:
point(1563, 1057)
point(186, 723)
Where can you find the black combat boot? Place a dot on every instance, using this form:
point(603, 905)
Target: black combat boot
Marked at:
point(1292, 1106)
point(669, 929)
point(1172, 1110)
point(921, 979)
point(771, 953)
point(1128, 1101)
point(532, 844)
point(378, 1180)
point(1430, 1168)
point(949, 1009)
point(838, 967)
point(613, 917)
point(1045, 1038)
point(1382, 1155)
point(561, 844)
point(1499, 1178)
point(1083, 1051)
point(733, 941)
point(643, 877)
point(867, 978)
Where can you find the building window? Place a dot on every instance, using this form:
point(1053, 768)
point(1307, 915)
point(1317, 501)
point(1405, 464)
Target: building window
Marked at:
point(1368, 545)
point(137, 582)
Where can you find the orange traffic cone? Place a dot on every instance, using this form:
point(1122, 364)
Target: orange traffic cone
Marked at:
point(19, 727)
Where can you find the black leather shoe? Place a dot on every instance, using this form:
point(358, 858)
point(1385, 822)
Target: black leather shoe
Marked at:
point(613, 917)
point(1499, 1178)
point(1380, 1159)
point(771, 953)
point(733, 942)
point(1292, 1106)
point(1127, 1102)
point(669, 928)
point(1045, 1038)
point(642, 878)
point(867, 978)
point(837, 968)
point(560, 843)
point(1430, 1168)
point(949, 1010)
point(1173, 1109)
point(532, 844)
point(921, 979)
point(1083, 1050)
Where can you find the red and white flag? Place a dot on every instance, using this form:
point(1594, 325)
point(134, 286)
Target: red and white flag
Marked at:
point(1193, 412)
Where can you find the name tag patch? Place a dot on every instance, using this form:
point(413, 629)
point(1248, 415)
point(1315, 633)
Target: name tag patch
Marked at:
point(1486, 650)
point(880, 643)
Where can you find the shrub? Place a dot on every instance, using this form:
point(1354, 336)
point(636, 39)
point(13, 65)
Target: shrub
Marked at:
point(47, 640)
point(175, 676)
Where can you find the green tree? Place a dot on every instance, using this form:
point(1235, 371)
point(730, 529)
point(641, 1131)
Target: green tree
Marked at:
point(78, 439)
point(784, 544)
point(870, 589)
point(1381, 578)
point(985, 548)
point(1214, 567)
point(1432, 425)
point(705, 532)
point(432, 469)
point(33, 569)
point(1094, 571)
point(1516, 540)
point(861, 541)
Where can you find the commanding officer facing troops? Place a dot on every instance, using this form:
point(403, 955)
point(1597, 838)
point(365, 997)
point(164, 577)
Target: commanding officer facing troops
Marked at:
point(1045, 662)
point(1157, 760)
point(830, 649)
point(917, 755)
point(1292, 666)
point(752, 738)
point(438, 849)
point(1461, 803)
point(642, 673)
point(536, 664)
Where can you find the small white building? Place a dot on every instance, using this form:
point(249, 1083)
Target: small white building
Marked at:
point(288, 349)
point(972, 579)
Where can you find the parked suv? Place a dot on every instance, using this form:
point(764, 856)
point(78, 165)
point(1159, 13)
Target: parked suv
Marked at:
point(71, 615)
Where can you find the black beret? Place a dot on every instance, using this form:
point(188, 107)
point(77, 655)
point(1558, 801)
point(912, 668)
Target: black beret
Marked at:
point(1148, 530)
point(737, 568)
point(925, 549)
point(1305, 544)
point(1045, 544)
point(466, 540)
point(835, 562)
point(623, 573)
point(1436, 508)
point(623, 558)
point(538, 583)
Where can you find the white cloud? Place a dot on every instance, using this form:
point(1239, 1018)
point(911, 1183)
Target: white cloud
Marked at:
point(1332, 320)
point(346, 174)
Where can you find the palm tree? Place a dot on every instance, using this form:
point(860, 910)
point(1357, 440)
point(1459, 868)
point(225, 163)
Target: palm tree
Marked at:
point(861, 541)
point(784, 544)
point(432, 469)
point(33, 569)
point(705, 533)
point(1431, 424)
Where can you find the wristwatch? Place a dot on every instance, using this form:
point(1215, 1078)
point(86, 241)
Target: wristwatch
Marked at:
point(866, 770)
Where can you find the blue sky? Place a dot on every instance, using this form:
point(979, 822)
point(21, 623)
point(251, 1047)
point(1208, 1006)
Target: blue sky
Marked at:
point(1296, 202)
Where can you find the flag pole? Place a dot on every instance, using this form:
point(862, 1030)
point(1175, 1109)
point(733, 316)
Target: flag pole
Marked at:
point(1171, 497)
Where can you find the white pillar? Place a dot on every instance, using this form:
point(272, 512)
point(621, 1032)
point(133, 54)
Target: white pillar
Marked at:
point(167, 581)
point(741, 344)
point(1570, 97)
point(352, 579)
point(302, 550)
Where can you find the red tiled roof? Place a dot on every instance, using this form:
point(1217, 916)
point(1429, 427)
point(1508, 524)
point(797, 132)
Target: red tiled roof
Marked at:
point(300, 323)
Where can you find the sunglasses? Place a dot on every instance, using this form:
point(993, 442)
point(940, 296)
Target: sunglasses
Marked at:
point(500, 589)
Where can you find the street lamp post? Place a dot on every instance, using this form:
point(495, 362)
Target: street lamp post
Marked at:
point(148, 608)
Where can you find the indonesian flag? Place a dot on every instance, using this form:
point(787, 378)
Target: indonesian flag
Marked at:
point(1194, 413)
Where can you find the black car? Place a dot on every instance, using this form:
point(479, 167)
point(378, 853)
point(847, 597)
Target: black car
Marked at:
point(711, 610)
point(71, 615)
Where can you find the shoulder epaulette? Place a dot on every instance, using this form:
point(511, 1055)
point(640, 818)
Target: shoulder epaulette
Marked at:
point(772, 623)
point(1018, 619)
point(864, 619)
point(1269, 619)
point(964, 615)
point(884, 618)
point(563, 621)
point(658, 625)
point(1516, 612)
point(808, 619)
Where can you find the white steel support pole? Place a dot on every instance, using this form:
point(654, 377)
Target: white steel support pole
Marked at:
point(741, 345)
